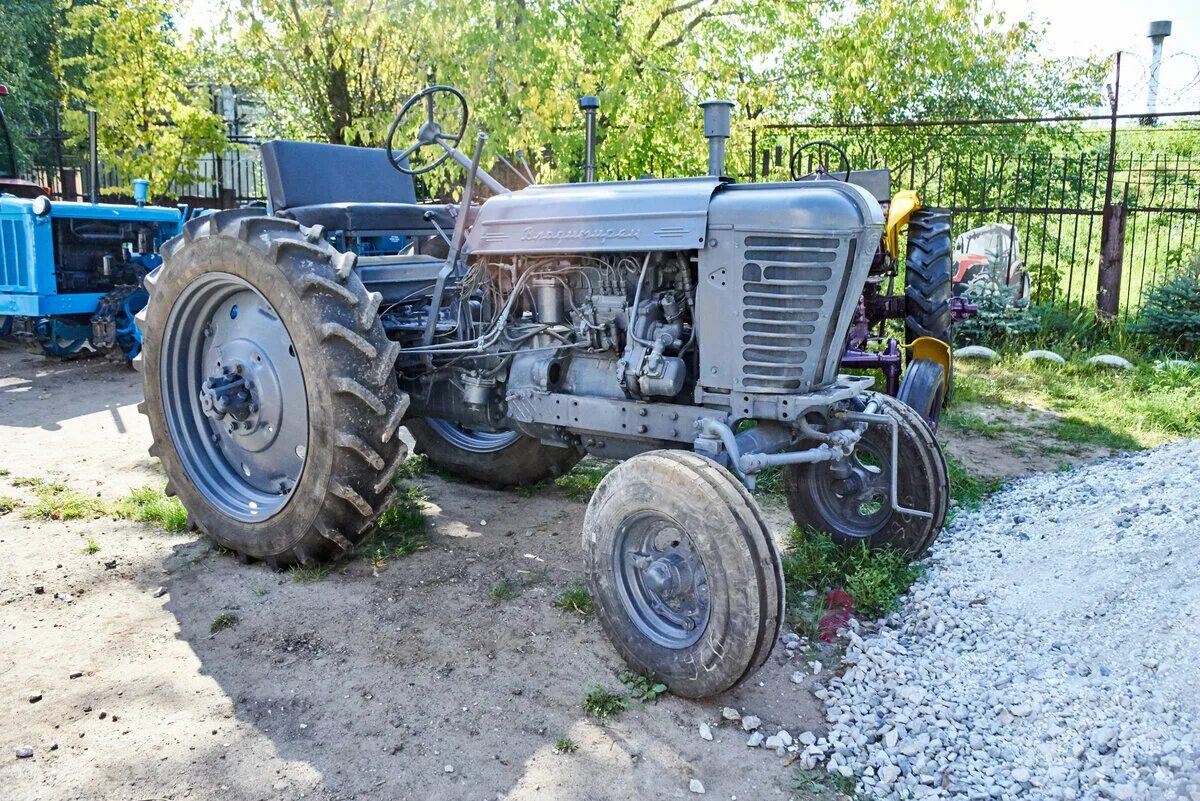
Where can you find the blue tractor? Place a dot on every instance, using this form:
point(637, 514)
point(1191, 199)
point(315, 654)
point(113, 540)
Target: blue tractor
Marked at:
point(71, 273)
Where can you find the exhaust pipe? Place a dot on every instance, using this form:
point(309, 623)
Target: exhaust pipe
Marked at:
point(716, 130)
point(589, 104)
point(93, 159)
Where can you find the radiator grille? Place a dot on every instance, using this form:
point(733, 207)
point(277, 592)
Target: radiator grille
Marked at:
point(785, 284)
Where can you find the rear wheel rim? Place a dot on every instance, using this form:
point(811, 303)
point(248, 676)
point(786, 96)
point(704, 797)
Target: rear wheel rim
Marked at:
point(469, 439)
point(227, 365)
point(661, 579)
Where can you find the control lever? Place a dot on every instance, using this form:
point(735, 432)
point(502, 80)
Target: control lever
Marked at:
point(460, 231)
point(430, 218)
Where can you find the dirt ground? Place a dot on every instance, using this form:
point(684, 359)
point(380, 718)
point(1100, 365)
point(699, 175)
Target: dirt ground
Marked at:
point(401, 683)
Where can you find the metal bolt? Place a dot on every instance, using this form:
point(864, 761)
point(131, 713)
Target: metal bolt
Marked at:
point(642, 411)
point(253, 408)
point(642, 429)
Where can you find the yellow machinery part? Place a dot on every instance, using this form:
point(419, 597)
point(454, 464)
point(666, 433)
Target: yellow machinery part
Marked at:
point(933, 349)
point(902, 207)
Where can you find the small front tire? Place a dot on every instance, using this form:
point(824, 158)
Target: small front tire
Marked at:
point(687, 579)
point(498, 459)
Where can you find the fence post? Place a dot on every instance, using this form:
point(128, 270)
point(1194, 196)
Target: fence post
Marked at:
point(1112, 226)
point(1112, 250)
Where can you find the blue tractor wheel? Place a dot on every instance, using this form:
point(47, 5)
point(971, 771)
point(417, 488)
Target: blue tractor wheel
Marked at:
point(129, 336)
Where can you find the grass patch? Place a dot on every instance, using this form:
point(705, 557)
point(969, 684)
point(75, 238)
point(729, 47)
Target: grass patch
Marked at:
point(402, 529)
point(503, 590)
point(90, 547)
point(149, 505)
point(306, 574)
point(564, 745)
point(581, 482)
point(58, 502)
point(1117, 409)
point(966, 487)
point(415, 466)
point(27, 481)
point(4, 472)
point(816, 784)
point(814, 564)
point(644, 689)
point(601, 703)
point(8, 504)
point(973, 423)
point(576, 598)
point(225, 620)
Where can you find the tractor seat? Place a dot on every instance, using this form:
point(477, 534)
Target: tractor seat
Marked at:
point(349, 189)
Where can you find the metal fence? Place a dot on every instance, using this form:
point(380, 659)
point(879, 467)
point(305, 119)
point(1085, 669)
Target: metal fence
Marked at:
point(1055, 202)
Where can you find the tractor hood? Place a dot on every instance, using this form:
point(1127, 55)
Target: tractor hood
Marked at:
point(670, 214)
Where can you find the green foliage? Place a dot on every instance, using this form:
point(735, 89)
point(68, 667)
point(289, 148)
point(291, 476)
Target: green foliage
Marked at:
point(874, 578)
point(131, 68)
point(149, 505)
point(225, 620)
point(576, 598)
point(29, 48)
point(601, 703)
point(582, 480)
point(415, 466)
point(644, 689)
point(503, 590)
point(968, 489)
point(401, 529)
point(306, 574)
point(564, 745)
point(91, 546)
point(8, 504)
point(1171, 313)
point(57, 502)
point(999, 317)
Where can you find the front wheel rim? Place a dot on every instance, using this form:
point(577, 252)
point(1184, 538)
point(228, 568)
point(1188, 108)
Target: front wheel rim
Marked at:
point(227, 365)
point(661, 580)
point(858, 505)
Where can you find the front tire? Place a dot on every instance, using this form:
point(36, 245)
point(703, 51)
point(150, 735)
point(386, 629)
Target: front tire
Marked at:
point(857, 509)
point(923, 388)
point(269, 388)
point(687, 578)
point(500, 459)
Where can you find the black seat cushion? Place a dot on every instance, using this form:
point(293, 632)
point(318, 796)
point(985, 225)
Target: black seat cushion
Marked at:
point(363, 217)
point(343, 188)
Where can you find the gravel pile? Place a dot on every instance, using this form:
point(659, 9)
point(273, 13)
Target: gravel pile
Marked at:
point(1052, 649)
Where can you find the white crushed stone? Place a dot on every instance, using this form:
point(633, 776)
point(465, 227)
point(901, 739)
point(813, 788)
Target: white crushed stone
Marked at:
point(1051, 650)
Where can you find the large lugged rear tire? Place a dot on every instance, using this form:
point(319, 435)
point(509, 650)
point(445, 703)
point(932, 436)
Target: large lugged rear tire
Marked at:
point(506, 459)
point(929, 280)
point(857, 509)
point(269, 387)
point(687, 579)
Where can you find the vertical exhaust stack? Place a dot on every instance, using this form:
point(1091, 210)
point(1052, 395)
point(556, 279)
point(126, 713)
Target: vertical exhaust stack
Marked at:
point(589, 105)
point(93, 159)
point(1159, 30)
point(716, 130)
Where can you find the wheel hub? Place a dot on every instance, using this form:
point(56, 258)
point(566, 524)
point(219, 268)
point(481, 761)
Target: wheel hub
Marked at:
point(229, 395)
point(661, 580)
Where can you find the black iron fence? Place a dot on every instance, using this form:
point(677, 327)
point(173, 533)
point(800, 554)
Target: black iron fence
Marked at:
point(1055, 202)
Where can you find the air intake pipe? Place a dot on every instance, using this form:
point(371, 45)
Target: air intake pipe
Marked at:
point(716, 130)
point(589, 104)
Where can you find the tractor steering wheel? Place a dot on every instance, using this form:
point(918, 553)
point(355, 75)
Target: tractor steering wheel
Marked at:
point(820, 146)
point(431, 131)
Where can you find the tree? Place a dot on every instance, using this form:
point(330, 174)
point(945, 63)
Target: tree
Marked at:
point(133, 72)
point(29, 66)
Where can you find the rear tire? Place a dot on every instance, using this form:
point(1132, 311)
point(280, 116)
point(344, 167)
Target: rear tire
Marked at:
point(929, 280)
point(507, 459)
point(860, 511)
point(317, 368)
point(687, 579)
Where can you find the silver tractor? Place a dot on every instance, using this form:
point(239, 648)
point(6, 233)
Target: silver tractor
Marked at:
point(690, 327)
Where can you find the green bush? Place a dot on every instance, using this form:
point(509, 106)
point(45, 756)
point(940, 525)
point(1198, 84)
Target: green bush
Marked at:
point(1171, 313)
point(999, 317)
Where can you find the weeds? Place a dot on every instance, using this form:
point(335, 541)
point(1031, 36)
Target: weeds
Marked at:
point(972, 422)
point(814, 564)
point(576, 598)
point(57, 502)
point(600, 703)
point(91, 546)
point(401, 531)
point(581, 482)
point(819, 784)
point(414, 466)
point(968, 489)
point(644, 689)
point(149, 505)
point(26, 481)
point(564, 745)
point(503, 590)
point(8, 504)
point(225, 620)
point(306, 574)
point(4, 472)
